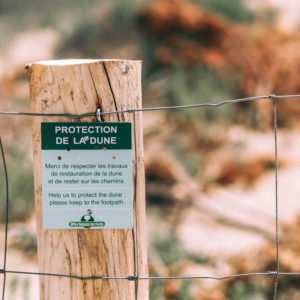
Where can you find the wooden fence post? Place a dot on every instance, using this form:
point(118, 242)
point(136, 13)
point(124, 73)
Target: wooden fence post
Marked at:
point(77, 87)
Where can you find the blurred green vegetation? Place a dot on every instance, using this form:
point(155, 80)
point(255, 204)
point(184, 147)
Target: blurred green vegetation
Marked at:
point(184, 293)
point(16, 284)
point(179, 84)
point(21, 192)
point(168, 247)
point(25, 241)
point(191, 162)
point(18, 16)
point(186, 86)
point(156, 288)
point(250, 291)
point(233, 10)
point(262, 289)
point(98, 34)
point(242, 290)
point(171, 250)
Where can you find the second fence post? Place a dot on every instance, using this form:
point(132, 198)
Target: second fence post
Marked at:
point(78, 87)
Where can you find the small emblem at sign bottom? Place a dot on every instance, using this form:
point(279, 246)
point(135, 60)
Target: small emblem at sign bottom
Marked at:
point(87, 221)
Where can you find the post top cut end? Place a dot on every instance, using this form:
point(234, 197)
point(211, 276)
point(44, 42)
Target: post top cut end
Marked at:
point(69, 62)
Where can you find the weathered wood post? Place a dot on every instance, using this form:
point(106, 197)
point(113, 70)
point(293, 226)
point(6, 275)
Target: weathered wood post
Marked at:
point(77, 87)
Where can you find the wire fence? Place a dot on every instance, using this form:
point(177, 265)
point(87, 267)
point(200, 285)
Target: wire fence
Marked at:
point(136, 277)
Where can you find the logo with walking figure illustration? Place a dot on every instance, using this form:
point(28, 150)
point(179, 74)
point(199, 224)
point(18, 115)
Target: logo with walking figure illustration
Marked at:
point(87, 221)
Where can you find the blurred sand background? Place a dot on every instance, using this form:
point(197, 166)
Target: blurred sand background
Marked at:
point(210, 172)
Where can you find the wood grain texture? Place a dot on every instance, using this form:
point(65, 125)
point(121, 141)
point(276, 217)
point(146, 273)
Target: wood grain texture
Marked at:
point(79, 87)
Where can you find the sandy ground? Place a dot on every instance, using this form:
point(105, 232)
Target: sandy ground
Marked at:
point(235, 220)
point(289, 16)
point(20, 286)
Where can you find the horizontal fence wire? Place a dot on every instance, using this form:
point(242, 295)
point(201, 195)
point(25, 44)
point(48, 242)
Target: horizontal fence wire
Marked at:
point(131, 110)
point(133, 278)
point(274, 274)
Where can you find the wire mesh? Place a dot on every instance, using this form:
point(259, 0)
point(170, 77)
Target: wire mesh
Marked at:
point(275, 273)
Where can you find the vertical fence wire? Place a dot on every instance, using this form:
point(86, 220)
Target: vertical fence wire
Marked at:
point(276, 194)
point(6, 219)
point(137, 253)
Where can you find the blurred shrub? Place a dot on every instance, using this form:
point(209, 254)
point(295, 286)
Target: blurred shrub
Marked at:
point(25, 241)
point(189, 160)
point(233, 60)
point(82, 41)
point(189, 53)
point(18, 16)
point(159, 289)
point(156, 288)
point(233, 10)
point(265, 258)
point(184, 293)
point(96, 36)
point(171, 251)
point(168, 247)
point(180, 32)
point(246, 291)
point(19, 286)
point(186, 86)
point(21, 191)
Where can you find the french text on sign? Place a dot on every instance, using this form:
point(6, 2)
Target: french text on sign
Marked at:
point(86, 185)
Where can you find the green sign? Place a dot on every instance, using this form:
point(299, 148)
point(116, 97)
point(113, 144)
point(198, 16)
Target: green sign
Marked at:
point(86, 175)
point(86, 136)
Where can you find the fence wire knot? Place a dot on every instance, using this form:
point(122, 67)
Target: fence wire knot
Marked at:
point(272, 97)
point(272, 273)
point(132, 278)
